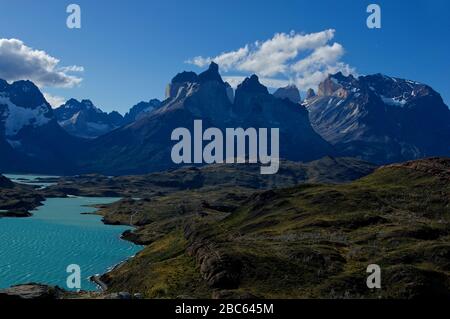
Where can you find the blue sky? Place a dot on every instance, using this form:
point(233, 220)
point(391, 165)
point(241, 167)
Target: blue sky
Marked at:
point(130, 50)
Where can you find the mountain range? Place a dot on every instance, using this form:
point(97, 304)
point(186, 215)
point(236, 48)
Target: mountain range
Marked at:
point(376, 118)
point(84, 119)
point(140, 110)
point(145, 146)
point(379, 118)
point(31, 140)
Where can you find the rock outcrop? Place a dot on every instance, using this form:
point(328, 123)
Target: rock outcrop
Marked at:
point(310, 94)
point(31, 291)
point(220, 269)
point(289, 92)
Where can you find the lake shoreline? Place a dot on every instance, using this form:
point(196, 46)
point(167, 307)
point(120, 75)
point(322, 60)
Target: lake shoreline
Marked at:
point(91, 205)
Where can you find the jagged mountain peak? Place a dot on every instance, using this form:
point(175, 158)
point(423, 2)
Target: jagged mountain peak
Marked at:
point(211, 75)
point(30, 137)
point(186, 83)
point(397, 91)
point(337, 85)
point(23, 93)
point(290, 92)
point(339, 76)
point(25, 85)
point(387, 90)
point(375, 117)
point(22, 107)
point(71, 101)
point(310, 94)
point(392, 91)
point(88, 103)
point(185, 77)
point(381, 118)
point(382, 79)
point(141, 109)
point(84, 119)
point(146, 144)
point(75, 104)
point(340, 79)
point(213, 67)
point(252, 85)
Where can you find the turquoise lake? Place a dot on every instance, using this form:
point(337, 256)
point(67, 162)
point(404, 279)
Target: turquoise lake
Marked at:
point(39, 248)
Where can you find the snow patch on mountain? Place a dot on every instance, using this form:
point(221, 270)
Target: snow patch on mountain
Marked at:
point(19, 117)
point(395, 101)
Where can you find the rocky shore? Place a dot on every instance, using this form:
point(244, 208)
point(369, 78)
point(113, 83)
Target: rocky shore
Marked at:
point(32, 291)
point(17, 200)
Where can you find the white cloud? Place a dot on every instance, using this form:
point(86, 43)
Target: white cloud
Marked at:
point(226, 60)
point(312, 78)
point(54, 100)
point(322, 56)
point(303, 59)
point(20, 62)
point(72, 68)
point(234, 81)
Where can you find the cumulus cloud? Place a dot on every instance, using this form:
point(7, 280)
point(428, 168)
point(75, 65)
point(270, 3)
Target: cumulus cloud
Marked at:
point(20, 62)
point(293, 58)
point(234, 81)
point(72, 68)
point(227, 60)
point(54, 100)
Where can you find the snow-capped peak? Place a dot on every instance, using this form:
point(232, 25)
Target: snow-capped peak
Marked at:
point(16, 117)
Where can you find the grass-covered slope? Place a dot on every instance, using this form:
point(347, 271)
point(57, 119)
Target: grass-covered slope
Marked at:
point(307, 241)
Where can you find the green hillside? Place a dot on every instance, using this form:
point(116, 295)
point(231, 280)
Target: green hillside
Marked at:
point(307, 241)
